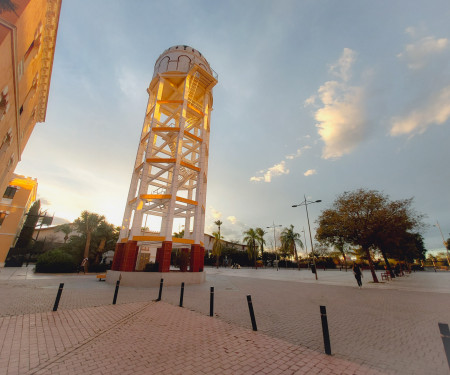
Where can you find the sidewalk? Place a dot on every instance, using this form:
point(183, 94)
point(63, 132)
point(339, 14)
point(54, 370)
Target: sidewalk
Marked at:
point(151, 338)
point(390, 327)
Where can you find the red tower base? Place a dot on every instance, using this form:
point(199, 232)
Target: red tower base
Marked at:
point(197, 258)
point(125, 256)
point(163, 256)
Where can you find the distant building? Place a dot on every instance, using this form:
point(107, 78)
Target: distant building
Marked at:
point(27, 46)
point(15, 203)
point(53, 235)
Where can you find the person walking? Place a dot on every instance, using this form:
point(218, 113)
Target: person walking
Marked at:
point(83, 266)
point(358, 273)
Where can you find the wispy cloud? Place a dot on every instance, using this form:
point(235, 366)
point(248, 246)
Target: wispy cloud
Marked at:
point(436, 110)
point(232, 219)
point(419, 53)
point(267, 175)
point(310, 172)
point(298, 153)
point(341, 118)
point(215, 214)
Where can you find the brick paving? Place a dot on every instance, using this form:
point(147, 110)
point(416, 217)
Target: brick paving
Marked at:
point(163, 339)
point(390, 328)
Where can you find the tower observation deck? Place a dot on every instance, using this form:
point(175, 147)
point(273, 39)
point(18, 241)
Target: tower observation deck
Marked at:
point(168, 183)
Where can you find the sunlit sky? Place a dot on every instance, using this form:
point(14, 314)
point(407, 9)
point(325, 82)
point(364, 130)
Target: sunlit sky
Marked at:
point(314, 98)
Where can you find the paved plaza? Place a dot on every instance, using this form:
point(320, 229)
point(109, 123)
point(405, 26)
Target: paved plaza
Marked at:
point(389, 328)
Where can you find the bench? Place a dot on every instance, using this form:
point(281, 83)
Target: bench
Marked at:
point(101, 277)
point(385, 276)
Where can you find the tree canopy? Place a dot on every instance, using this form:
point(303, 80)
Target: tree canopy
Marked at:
point(251, 238)
point(289, 239)
point(369, 219)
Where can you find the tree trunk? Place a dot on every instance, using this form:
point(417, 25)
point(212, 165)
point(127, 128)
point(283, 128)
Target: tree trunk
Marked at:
point(388, 266)
point(100, 250)
point(372, 268)
point(88, 243)
point(345, 262)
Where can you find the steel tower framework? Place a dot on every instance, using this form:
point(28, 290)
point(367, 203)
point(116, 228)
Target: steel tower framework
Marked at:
point(170, 172)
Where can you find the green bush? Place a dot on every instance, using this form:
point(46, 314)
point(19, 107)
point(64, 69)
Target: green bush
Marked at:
point(55, 261)
point(151, 267)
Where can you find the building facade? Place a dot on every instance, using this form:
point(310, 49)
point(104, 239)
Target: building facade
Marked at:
point(27, 47)
point(15, 203)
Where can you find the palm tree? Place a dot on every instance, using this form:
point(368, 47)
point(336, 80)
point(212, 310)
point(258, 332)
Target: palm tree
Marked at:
point(217, 247)
point(289, 239)
point(218, 223)
point(66, 229)
point(87, 223)
point(261, 241)
point(251, 238)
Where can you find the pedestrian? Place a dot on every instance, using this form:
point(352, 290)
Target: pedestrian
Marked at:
point(83, 265)
point(358, 274)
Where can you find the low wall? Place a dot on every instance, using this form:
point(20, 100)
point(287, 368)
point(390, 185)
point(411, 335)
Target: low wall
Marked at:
point(152, 279)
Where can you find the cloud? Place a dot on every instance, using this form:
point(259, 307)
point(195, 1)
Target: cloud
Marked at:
point(215, 214)
point(342, 68)
point(435, 111)
point(277, 170)
point(310, 172)
point(297, 154)
point(232, 219)
point(418, 54)
point(341, 120)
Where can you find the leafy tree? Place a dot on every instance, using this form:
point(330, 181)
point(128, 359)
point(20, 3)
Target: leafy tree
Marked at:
point(217, 247)
point(179, 234)
point(86, 224)
point(289, 239)
point(364, 218)
point(260, 239)
point(66, 229)
point(26, 234)
point(251, 238)
point(393, 238)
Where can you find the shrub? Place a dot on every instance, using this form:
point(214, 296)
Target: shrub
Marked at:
point(101, 267)
point(151, 267)
point(55, 261)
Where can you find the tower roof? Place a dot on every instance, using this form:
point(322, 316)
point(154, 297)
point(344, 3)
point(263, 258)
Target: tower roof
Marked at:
point(180, 58)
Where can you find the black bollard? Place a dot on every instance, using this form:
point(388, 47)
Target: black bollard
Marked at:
point(211, 301)
point(58, 296)
point(116, 292)
point(181, 294)
point(326, 334)
point(160, 289)
point(445, 335)
point(252, 314)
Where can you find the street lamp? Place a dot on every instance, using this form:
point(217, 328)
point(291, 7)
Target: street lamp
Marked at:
point(275, 240)
point(306, 245)
point(443, 241)
point(305, 203)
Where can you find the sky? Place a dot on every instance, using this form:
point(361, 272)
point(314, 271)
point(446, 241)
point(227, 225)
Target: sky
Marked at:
point(314, 98)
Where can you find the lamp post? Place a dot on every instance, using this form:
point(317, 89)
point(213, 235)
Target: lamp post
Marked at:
point(275, 240)
point(306, 245)
point(305, 203)
point(443, 241)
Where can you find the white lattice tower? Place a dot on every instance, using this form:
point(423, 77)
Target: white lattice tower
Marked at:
point(170, 173)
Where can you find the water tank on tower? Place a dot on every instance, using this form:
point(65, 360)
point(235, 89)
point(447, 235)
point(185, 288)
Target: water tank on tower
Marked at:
point(168, 186)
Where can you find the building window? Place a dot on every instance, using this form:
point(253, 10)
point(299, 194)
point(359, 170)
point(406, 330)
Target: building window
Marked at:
point(10, 192)
point(3, 215)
